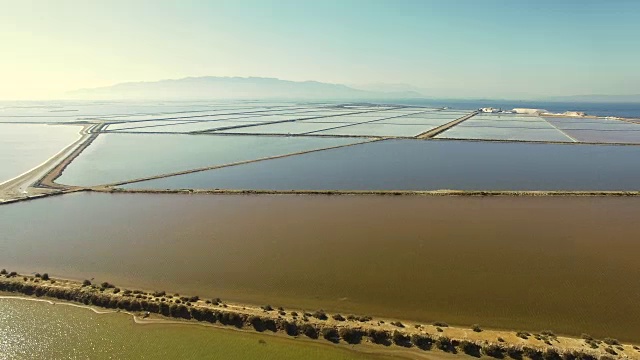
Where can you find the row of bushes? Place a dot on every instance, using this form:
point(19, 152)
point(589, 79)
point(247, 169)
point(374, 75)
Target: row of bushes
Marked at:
point(266, 323)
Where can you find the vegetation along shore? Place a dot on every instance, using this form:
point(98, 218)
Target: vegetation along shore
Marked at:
point(317, 324)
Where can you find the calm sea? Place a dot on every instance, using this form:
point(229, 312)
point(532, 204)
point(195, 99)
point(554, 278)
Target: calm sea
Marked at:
point(631, 110)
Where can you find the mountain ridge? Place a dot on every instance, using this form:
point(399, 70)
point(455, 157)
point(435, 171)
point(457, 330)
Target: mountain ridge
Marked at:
point(208, 87)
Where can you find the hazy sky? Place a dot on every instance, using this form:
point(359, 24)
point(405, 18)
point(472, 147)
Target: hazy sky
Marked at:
point(480, 48)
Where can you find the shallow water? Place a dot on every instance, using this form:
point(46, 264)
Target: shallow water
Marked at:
point(430, 165)
point(509, 127)
point(491, 132)
point(599, 130)
point(565, 264)
point(281, 128)
point(38, 330)
point(119, 157)
point(25, 146)
point(376, 129)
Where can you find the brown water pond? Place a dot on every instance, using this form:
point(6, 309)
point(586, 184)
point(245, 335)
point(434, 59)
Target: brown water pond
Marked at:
point(566, 264)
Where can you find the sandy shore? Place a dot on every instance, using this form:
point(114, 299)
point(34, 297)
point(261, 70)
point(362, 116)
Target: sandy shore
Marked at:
point(388, 335)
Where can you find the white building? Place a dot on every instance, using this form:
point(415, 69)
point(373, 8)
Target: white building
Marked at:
point(574, 113)
point(529, 111)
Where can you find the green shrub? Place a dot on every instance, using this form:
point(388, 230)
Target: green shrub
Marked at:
point(611, 341)
point(401, 339)
point(610, 351)
point(257, 323)
point(37, 275)
point(444, 343)
point(3, 272)
point(267, 307)
point(290, 328)
point(523, 335)
point(86, 283)
point(379, 337)
point(493, 350)
point(421, 341)
point(338, 317)
point(469, 348)
point(320, 315)
point(532, 353)
point(514, 352)
point(45, 276)
point(476, 328)
point(331, 334)
point(551, 354)
point(592, 343)
point(271, 325)
point(397, 324)
point(351, 336)
point(440, 324)
point(309, 330)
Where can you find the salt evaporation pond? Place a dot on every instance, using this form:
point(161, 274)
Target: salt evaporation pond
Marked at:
point(429, 165)
point(25, 146)
point(114, 158)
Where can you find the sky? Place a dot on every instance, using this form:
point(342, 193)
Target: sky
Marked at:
point(461, 48)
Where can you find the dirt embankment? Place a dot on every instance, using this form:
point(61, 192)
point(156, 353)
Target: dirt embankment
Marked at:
point(369, 192)
point(389, 334)
point(48, 179)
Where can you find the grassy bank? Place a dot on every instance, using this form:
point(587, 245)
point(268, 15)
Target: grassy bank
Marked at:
point(335, 328)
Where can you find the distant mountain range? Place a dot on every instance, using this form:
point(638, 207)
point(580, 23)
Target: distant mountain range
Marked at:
point(210, 87)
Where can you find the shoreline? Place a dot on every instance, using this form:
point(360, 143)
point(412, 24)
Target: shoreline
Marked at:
point(363, 348)
point(332, 328)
